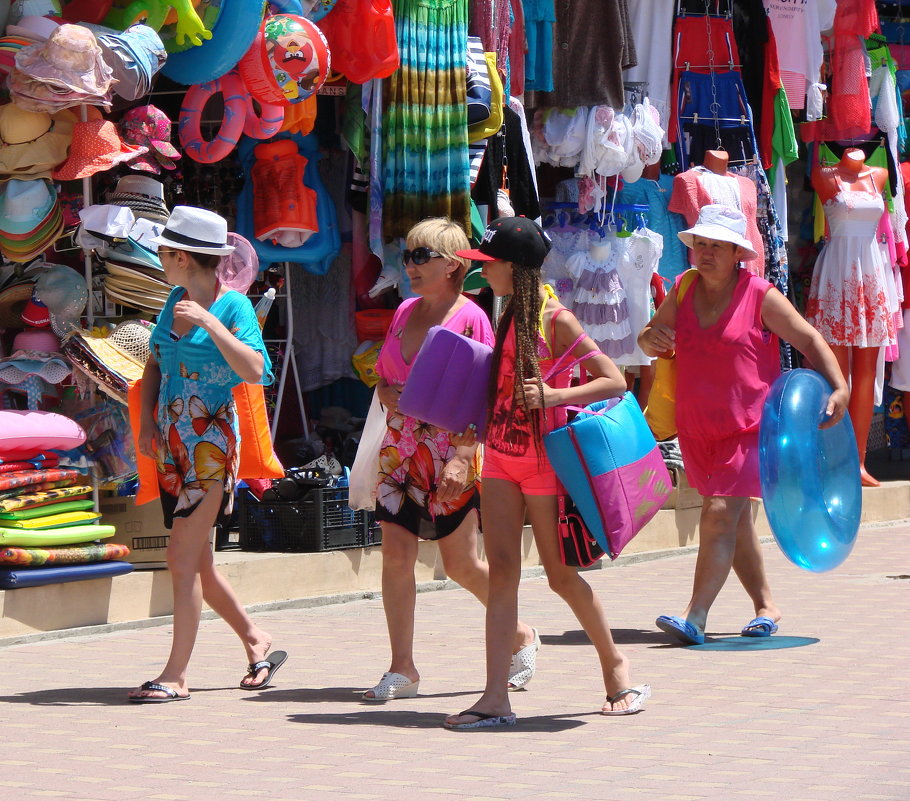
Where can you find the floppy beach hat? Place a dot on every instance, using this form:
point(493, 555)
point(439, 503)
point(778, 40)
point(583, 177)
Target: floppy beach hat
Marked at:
point(32, 143)
point(96, 147)
point(721, 223)
point(70, 59)
point(515, 239)
point(150, 127)
point(196, 230)
point(134, 56)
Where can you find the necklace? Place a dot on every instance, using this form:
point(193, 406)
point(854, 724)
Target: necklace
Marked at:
point(723, 296)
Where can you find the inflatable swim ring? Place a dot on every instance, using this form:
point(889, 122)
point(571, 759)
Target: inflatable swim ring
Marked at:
point(233, 24)
point(235, 113)
point(809, 476)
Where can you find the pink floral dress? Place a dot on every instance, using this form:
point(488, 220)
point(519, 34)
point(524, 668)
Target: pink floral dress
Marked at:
point(414, 453)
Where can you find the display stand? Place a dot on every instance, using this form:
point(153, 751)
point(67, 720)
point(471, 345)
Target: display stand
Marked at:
point(288, 359)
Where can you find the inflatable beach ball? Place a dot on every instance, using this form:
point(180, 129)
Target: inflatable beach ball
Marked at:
point(288, 61)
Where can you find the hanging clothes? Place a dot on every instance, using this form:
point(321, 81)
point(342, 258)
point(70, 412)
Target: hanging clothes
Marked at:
point(587, 69)
point(642, 251)
point(655, 195)
point(425, 165)
point(651, 23)
point(506, 163)
point(566, 241)
point(540, 15)
point(600, 299)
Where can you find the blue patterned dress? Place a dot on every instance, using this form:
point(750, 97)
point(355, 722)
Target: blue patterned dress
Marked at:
point(197, 423)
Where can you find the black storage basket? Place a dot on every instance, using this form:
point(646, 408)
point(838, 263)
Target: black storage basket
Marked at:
point(319, 521)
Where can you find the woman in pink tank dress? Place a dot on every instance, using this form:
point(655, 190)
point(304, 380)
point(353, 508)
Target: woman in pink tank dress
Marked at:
point(428, 477)
point(535, 333)
point(725, 332)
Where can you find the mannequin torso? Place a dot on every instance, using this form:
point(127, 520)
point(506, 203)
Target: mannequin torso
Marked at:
point(717, 161)
point(850, 173)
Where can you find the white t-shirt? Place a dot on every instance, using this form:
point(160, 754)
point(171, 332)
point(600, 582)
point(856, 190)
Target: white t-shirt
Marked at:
point(797, 26)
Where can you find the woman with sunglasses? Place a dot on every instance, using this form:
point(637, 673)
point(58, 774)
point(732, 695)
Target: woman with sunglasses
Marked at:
point(428, 480)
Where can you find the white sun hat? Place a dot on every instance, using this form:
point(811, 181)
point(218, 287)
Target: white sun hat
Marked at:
point(722, 223)
point(195, 230)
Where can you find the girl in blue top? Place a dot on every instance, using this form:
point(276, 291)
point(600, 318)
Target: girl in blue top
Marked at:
point(207, 341)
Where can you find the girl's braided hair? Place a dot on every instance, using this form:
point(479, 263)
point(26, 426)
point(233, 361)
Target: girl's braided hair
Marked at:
point(523, 308)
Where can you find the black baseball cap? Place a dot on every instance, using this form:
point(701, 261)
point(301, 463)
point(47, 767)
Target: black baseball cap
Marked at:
point(514, 239)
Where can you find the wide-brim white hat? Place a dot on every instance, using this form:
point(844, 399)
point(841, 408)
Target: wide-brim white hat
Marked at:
point(722, 223)
point(196, 230)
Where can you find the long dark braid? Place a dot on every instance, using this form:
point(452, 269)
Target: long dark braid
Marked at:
point(524, 309)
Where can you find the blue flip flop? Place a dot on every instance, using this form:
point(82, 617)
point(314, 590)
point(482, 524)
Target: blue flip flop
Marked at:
point(681, 629)
point(759, 627)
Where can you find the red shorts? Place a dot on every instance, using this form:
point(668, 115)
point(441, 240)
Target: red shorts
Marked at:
point(531, 476)
point(727, 466)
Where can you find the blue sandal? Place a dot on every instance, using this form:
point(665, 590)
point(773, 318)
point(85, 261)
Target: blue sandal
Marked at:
point(681, 629)
point(759, 627)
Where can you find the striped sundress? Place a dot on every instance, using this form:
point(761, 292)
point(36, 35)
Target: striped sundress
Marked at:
point(425, 164)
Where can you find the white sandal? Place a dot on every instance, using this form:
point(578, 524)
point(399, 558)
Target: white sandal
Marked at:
point(524, 663)
point(392, 686)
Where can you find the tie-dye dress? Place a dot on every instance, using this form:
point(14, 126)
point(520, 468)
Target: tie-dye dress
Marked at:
point(199, 441)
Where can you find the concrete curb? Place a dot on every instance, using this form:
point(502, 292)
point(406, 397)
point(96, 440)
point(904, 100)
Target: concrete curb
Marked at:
point(313, 602)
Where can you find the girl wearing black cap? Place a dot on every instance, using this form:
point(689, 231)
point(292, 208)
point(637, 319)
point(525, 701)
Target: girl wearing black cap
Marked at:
point(534, 333)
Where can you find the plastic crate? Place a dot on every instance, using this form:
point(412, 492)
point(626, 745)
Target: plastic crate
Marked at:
point(320, 521)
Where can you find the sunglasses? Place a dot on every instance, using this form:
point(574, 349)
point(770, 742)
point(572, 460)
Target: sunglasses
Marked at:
point(419, 256)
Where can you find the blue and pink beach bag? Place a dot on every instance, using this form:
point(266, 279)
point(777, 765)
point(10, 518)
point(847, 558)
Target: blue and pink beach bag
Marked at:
point(609, 463)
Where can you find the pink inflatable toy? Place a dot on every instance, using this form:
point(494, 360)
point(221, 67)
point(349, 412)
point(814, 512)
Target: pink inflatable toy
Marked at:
point(447, 386)
point(25, 433)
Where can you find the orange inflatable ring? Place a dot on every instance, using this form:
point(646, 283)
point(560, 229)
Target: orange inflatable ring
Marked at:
point(235, 114)
point(267, 123)
point(300, 117)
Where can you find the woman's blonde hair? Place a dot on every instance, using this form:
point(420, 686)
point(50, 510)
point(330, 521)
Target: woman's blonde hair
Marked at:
point(445, 236)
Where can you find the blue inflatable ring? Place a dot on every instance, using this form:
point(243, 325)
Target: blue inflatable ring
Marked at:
point(809, 476)
point(232, 34)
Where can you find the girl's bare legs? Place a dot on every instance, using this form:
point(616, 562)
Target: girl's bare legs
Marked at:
point(463, 565)
point(568, 584)
point(502, 510)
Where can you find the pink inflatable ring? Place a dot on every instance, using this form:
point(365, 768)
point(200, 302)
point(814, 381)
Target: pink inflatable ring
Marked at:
point(235, 114)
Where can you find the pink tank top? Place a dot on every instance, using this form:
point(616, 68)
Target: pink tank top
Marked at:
point(724, 371)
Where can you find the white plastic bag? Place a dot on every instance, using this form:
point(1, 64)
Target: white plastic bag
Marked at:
point(365, 470)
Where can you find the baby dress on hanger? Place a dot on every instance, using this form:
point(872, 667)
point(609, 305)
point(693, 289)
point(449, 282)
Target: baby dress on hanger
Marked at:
point(848, 298)
point(642, 252)
point(600, 298)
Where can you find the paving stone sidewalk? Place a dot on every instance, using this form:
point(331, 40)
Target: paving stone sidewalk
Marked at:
point(820, 712)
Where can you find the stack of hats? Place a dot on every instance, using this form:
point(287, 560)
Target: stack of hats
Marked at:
point(142, 194)
point(134, 56)
point(32, 143)
point(28, 31)
point(136, 284)
point(30, 219)
point(111, 362)
point(134, 277)
point(65, 71)
point(148, 126)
